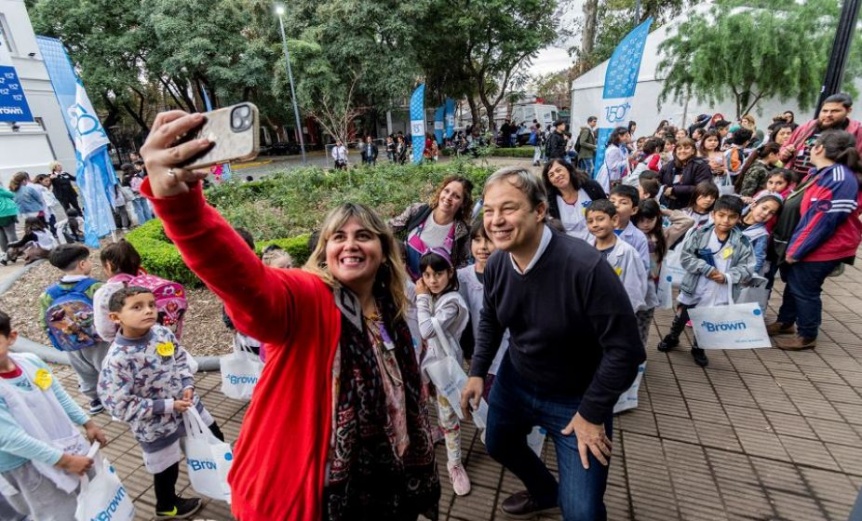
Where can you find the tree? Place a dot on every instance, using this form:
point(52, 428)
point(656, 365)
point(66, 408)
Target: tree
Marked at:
point(554, 87)
point(777, 49)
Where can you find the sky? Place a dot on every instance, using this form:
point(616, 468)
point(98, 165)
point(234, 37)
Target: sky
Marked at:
point(551, 59)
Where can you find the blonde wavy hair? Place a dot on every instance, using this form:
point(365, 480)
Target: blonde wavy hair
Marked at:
point(391, 275)
point(52, 166)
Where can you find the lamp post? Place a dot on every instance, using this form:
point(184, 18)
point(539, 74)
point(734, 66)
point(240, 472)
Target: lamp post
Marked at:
point(279, 10)
point(840, 52)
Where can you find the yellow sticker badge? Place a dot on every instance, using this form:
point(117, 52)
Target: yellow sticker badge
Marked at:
point(165, 349)
point(727, 253)
point(43, 379)
point(619, 271)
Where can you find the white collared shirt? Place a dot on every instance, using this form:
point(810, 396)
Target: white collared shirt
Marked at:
point(543, 245)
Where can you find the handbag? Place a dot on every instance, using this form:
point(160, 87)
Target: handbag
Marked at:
point(240, 372)
point(209, 459)
point(103, 496)
point(734, 326)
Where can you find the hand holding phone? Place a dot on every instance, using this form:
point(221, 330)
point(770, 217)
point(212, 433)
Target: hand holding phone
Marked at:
point(234, 132)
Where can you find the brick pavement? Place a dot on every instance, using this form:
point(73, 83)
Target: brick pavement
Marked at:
point(759, 435)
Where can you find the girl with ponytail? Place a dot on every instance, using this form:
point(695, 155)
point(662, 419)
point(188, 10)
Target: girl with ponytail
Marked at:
point(818, 231)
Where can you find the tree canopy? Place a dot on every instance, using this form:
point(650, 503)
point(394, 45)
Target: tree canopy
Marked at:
point(775, 48)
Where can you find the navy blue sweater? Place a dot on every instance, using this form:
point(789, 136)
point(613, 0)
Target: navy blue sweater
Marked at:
point(573, 330)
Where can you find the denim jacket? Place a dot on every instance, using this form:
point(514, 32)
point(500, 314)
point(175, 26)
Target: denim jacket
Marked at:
point(741, 264)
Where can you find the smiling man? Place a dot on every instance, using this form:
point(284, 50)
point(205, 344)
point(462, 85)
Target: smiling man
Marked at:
point(834, 114)
point(574, 348)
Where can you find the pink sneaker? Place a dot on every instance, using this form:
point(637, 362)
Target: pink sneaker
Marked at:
point(688, 324)
point(459, 478)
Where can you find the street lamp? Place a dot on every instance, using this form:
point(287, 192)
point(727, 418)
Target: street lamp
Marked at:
point(280, 11)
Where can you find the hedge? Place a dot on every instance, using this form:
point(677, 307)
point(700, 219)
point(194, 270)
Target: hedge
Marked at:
point(526, 151)
point(284, 208)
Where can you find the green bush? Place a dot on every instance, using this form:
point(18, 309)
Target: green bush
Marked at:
point(525, 151)
point(285, 207)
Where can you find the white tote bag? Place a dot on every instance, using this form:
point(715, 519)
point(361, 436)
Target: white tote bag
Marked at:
point(664, 290)
point(725, 185)
point(209, 459)
point(240, 372)
point(103, 496)
point(629, 399)
point(446, 373)
point(734, 326)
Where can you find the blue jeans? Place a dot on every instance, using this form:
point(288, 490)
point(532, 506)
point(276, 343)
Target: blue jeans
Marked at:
point(801, 304)
point(142, 210)
point(587, 166)
point(515, 407)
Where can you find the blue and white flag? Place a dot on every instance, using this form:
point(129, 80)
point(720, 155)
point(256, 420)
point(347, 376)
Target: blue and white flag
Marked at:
point(449, 117)
point(95, 172)
point(438, 125)
point(621, 79)
point(417, 122)
point(13, 102)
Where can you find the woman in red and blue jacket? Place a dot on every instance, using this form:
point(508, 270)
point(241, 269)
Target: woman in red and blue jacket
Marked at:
point(818, 230)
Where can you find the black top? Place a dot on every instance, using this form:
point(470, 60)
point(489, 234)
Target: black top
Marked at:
point(556, 146)
point(592, 188)
point(572, 329)
point(694, 172)
point(62, 185)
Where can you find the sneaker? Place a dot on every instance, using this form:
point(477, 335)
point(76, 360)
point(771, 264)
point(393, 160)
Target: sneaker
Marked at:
point(778, 328)
point(458, 477)
point(522, 506)
point(96, 406)
point(699, 356)
point(688, 324)
point(668, 343)
point(184, 509)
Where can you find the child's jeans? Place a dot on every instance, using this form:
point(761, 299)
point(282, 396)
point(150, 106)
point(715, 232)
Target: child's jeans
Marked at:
point(87, 364)
point(451, 426)
point(165, 482)
point(38, 497)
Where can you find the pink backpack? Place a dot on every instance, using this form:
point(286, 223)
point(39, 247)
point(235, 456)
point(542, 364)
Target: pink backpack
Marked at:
point(170, 298)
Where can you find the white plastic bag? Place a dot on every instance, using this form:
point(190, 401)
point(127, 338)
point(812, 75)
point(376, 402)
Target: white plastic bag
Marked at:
point(629, 399)
point(671, 266)
point(725, 185)
point(664, 291)
point(209, 459)
point(449, 378)
point(240, 372)
point(536, 440)
point(734, 326)
point(103, 496)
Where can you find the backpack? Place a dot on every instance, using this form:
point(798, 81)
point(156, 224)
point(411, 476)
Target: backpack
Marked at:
point(578, 144)
point(171, 301)
point(70, 317)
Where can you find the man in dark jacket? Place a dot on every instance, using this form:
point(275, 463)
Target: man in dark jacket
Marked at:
point(557, 141)
point(586, 146)
point(369, 152)
point(574, 348)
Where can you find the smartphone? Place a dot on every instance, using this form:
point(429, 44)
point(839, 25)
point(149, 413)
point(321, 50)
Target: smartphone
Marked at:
point(234, 132)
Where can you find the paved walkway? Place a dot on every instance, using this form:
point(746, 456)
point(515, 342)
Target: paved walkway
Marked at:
point(759, 435)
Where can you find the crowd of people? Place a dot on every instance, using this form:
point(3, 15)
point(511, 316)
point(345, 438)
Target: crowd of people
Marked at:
point(529, 309)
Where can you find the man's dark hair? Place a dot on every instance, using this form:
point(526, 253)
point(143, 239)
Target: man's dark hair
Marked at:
point(603, 206)
point(728, 203)
point(246, 236)
point(843, 99)
point(722, 123)
point(650, 186)
point(742, 136)
point(653, 145)
point(627, 191)
point(591, 119)
point(118, 299)
point(66, 256)
point(5, 325)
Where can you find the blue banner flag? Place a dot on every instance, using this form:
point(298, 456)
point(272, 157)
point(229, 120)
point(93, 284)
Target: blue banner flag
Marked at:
point(449, 117)
point(438, 125)
point(621, 79)
point(95, 172)
point(417, 122)
point(13, 102)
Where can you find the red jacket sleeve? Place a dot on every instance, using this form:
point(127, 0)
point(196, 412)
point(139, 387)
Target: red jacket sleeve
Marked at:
point(260, 300)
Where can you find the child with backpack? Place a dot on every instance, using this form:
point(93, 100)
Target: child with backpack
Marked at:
point(122, 265)
point(443, 316)
point(146, 382)
point(67, 315)
point(42, 451)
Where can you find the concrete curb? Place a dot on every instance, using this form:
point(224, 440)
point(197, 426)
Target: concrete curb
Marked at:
point(49, 354)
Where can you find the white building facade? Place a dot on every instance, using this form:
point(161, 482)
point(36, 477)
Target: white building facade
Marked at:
point(30, 146)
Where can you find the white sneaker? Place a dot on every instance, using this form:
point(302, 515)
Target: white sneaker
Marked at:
point(460, 480)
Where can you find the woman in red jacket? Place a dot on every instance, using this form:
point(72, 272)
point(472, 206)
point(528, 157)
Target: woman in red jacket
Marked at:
point(819, 229)
point(337, 429)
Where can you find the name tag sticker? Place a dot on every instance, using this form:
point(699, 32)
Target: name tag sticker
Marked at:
point(727, 253)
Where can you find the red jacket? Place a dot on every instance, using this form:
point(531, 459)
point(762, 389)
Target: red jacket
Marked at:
point(803, 132)
point(280, 456)
point(829, 228)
